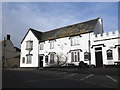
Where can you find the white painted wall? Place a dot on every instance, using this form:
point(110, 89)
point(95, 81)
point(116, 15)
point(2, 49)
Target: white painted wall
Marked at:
point(109, 44)
point(63, 45)
point(24, 52)
point(62, 48)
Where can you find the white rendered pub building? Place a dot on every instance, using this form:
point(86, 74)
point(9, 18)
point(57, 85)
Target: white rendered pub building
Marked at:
point(71, 44)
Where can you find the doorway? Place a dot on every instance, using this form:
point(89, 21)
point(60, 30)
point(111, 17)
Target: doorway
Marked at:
point(40, 61)
point(98, 57)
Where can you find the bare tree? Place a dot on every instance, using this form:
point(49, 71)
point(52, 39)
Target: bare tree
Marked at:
point(61, 58)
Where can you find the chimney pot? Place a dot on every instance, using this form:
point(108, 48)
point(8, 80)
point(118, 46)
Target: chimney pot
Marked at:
point(8, 37)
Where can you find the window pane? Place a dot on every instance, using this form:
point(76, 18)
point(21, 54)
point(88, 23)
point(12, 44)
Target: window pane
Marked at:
point(41, 46)
point(72, 56)
point(109, 54)
point(46, 59)
point(29, 59)
point(75, 58)
point(86, 56)
point(23, 60)
point(29, 45)
point(51, 44)
point(51, 58)
point(78, 56)
point(75, 40)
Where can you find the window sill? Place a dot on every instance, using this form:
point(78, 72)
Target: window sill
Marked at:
point(75, 45)
point(110, 59)
point(75, 61)
point(86, 60)
point(29, 48)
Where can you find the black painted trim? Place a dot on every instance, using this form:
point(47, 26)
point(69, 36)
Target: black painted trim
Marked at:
point(41, 41)
point(75, 50)
point(52, 40)
point(117, 45)
point(98, 45)
point(51, 52)
point(41, 55)
point(29, 54)
point(75, 35)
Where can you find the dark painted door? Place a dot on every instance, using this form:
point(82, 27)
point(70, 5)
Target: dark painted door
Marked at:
point(40, 61)
point(98, 57)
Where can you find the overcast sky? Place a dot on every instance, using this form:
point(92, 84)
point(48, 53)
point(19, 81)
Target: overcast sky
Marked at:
point(18, 17)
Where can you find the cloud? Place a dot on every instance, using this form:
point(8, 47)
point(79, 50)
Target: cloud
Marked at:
point(19, 17)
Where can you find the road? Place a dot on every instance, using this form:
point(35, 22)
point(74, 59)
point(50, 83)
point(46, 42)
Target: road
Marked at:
point(55, 79)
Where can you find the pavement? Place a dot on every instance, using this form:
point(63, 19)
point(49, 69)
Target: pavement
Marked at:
point(99, 71)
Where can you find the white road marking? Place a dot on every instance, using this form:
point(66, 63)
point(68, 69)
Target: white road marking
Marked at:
point(112, 78)
point(60, 73)
point(87, 77)
point(71, 75)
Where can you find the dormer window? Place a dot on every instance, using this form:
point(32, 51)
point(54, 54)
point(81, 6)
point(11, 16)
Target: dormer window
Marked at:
point(29, 45)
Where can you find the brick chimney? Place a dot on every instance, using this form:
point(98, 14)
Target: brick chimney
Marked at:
point(8, 37)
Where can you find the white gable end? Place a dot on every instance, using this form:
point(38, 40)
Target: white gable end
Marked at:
point(34, 52)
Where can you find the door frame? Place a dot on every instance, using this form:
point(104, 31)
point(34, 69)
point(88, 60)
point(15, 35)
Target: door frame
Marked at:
point(98, 60)
point(40, 64)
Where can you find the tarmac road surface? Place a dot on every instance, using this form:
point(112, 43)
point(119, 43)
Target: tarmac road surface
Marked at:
point(55, 79)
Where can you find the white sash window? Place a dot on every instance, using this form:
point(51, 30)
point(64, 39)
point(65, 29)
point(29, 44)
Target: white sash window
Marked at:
point(29, 59)
point(41, 46)
point(29, 45)
point(75, 40)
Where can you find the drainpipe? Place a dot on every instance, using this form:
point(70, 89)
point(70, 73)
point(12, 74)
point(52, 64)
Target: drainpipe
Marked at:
point(89, 55)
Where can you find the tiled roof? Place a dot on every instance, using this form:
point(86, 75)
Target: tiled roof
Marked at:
point(70, 30)
point(38, 34)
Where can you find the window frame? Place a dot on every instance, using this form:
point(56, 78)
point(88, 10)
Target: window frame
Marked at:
point(52, 44)
point(86, 54)
point(29, 45)
point(29, 59)
point(75, 40)
point(51, 58)
point(75, 56)
point(41, 45)
point(109, 54)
